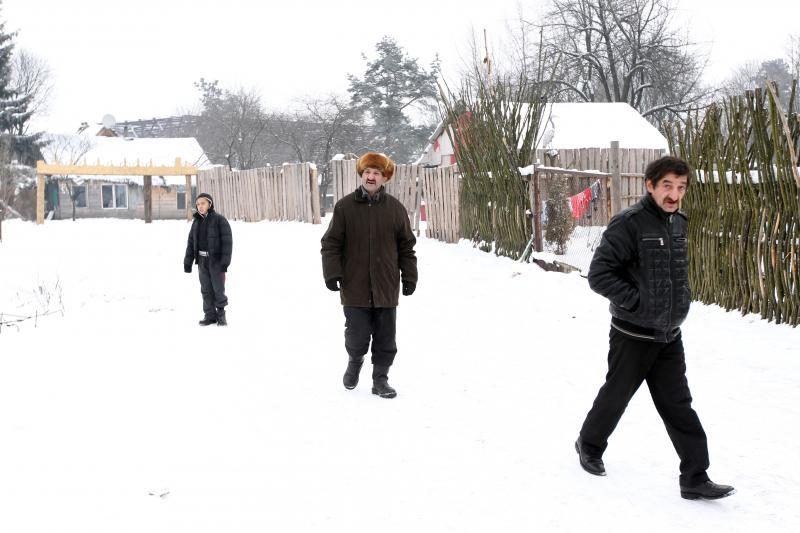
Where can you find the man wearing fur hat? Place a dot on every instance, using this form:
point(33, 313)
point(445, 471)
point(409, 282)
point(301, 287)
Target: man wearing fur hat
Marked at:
point(367, 251)
point(210, 246)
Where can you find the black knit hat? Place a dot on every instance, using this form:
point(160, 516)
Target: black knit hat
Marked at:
point(207, 197)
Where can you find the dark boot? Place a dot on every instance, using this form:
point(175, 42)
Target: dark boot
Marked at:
point(591, 462)
point(208, 320)
point(221, 320)
point(707, 490)
point(350, 379)
point(380, 382)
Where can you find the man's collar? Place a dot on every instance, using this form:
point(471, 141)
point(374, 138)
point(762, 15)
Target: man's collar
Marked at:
point(371, 198)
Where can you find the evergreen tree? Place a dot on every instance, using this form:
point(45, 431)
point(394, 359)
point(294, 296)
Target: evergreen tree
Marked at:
point(559, 225)
point(14, 112)
point(393, 85)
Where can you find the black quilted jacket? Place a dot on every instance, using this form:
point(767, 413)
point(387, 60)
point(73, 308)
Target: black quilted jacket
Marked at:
point(641, 266)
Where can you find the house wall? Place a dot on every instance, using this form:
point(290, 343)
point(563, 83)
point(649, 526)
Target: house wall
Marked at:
point(165, 202)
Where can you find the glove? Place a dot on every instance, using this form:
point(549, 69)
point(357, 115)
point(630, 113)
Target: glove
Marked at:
point(187, 268)
point(333, 284)
point(408, 288)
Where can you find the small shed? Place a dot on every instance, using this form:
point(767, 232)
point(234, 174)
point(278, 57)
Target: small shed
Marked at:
point(112, 196)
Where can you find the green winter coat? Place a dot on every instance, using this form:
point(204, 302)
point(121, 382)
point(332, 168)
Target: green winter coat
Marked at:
point(369, 245)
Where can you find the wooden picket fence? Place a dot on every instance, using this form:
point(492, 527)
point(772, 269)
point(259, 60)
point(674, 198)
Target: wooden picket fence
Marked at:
point(287, 192)
point(441, 189)
point(632, 164)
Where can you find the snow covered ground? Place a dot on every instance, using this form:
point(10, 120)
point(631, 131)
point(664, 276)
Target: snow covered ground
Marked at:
point(119, 414)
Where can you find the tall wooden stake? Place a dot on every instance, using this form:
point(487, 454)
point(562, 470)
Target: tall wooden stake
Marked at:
point(40, 199)
point(148, 199)
point(616, 179)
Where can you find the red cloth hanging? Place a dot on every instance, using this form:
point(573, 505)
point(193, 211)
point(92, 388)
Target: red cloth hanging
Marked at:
point(580, 202)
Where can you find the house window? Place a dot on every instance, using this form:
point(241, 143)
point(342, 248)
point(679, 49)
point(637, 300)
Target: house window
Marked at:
point(115, 196)
point(181, 194)
point(79, 195)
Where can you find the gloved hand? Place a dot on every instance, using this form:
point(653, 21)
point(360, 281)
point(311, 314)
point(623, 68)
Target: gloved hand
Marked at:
point(333, 284)
point(409, 288)
point(187, 268)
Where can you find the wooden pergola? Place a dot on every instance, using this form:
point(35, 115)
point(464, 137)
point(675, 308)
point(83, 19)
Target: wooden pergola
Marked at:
point(147, 171)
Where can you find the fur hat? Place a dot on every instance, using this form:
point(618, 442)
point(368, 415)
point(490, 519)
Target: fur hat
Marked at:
point(376, 160)
point(207, 197)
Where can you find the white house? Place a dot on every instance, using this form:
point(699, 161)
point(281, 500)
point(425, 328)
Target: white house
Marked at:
point(571, 126)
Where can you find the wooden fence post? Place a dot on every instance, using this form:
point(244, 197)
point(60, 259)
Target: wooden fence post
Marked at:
point(39, 198)
point(188, 196)
point(315, 211)
point(538, 240)
point(148, 199)
point(616, 179)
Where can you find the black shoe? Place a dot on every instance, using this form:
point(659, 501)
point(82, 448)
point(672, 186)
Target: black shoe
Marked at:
point(221, 320)
point(380, 382)
point(207, 321)
point(350, 378)
point(592, 464)
point(707, 490)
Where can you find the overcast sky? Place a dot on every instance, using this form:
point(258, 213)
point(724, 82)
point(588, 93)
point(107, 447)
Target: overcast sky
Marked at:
point(139, 58)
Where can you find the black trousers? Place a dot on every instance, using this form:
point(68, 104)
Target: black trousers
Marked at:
point(212, 286)
point(663, 366)
point(378, 323)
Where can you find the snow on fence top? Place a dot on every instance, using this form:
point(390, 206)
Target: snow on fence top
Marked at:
point(122, 151)
point(732, 177)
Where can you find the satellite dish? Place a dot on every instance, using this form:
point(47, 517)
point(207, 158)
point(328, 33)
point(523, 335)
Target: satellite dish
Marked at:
point(109, 121)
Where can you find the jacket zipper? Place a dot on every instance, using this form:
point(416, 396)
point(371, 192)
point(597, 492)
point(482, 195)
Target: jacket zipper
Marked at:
point(669, 270)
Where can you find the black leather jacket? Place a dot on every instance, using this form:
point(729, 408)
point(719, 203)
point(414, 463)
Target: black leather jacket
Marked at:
point(641, 266)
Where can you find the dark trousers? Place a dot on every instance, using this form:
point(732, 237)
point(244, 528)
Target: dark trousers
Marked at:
point(212, 286)
point(379, 323)
point(662, 365)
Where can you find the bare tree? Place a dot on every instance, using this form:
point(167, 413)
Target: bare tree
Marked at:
point(31, 76)
point(340, 130)
point(68, 150)
point(622, 51)
point(324, 126)
point(793, 53)
point(233, 126)
point(753, 74)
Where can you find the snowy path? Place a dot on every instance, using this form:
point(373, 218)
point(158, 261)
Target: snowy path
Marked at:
point(124, 416)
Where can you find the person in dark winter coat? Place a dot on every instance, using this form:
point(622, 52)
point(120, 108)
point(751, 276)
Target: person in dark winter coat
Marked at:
point(641, 266)
point(210, 245)
point(367, 251)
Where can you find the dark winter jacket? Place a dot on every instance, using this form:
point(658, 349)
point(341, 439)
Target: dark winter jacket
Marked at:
point(368, 244)
point(641, 266)
point(219, 240)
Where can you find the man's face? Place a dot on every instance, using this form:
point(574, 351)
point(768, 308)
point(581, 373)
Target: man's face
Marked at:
point(669, 191)
point(202, 205)
point(372, 179)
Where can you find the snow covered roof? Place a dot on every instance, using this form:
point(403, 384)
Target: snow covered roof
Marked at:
point(578, 125)
point(595, 125)
point(120, 151)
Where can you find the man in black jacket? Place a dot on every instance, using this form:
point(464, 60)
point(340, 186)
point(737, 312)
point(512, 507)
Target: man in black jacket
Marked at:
point(641, 266)
point(210, 246)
